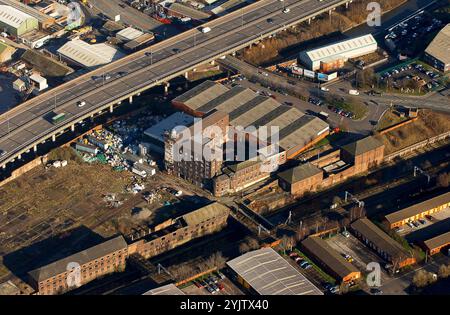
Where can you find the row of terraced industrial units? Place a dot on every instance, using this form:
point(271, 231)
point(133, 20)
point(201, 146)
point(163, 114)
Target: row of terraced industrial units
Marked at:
point(330, 260)
point(437, 244)
point(375, 238)
point(418, 211)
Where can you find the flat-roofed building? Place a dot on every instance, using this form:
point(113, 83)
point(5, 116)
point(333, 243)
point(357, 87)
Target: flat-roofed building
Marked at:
point(330, 260)
point(300, 179)
point(437, 53)
point(89, 55)
point(78, 269)
point(16, 22)
point(340, 51)
point(168, 289)
point(436, 244)
point(265, 272)
point(382, 243)
point(418, 211)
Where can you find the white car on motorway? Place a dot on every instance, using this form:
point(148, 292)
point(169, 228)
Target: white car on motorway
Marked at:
point(81, 103)
point(286, 10)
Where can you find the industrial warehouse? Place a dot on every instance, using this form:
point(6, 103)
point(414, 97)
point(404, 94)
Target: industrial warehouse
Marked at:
point(418, 211)
point(175, 232)
point(350, 160)
point(386, 247)
point(92, 263)
point(333, 56)
point(246, 108)
point(331, 260)
point(437, 53)
point(437, 244)
point(267, 273)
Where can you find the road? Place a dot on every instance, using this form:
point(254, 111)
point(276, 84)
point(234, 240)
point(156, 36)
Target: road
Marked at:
point(132, 17)
point(294, 86)
point(30, 123)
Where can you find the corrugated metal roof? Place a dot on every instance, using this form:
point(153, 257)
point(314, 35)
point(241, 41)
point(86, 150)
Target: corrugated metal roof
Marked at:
point(26, 9)
point(169, 289)
point(299, 173)
point(439, 48)
point(12, 16)
point(129, 33)
point(210, 211)
point(418, 208)
point(201, 94)
point(83, 257)
point(247, 108)
point(341, 48)
point(89, 55)
point(270, 274)
point(328, 256)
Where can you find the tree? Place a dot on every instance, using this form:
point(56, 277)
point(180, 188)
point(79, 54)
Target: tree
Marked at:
point(243, 248)
point(444, 271)
point(423, 278)
point(287, 242)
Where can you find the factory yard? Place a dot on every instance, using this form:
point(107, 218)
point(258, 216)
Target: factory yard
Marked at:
point(46, 203)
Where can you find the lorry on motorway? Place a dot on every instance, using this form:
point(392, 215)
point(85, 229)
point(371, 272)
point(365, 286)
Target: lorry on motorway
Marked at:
point(353, 92)
point(206, 29)
point(58, 118)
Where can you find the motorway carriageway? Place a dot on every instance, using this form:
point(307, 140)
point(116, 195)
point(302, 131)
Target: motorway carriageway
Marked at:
point(30, 123)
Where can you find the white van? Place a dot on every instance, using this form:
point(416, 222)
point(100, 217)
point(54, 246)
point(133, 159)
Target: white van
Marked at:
point(206, 29)
point(353, 92)
point(81, 103)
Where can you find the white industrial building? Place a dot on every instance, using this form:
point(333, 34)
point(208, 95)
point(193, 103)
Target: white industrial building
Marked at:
point(340, 51)
point(39, 81)
point(128, 34)
point(89, 55)
point(16, 22)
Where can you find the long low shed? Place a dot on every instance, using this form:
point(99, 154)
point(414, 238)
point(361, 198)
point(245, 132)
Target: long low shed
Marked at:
point(331, 260)
point(436, 244)
point(418, 210)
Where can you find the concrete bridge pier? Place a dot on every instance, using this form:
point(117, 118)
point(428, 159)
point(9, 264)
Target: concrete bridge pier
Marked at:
point(4, 166)
point(111, 109)
point(53, 138)
point(35, 148)
point(186, 75)
point(309, 21)
point(213, 63)
point(131, 99)
point(19, 157)
point(72, 128)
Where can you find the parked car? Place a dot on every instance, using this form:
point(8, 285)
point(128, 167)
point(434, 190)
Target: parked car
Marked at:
point(422, 221)
point(210, 289)
point(293, 254)
point(348, 257)
point(429, 217)
point(410, 224)
point(415, 224)
point(376, 291)
point(298, 259)
point(346, 234)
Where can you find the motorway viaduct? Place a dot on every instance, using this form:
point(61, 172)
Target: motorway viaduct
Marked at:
point(27, 125)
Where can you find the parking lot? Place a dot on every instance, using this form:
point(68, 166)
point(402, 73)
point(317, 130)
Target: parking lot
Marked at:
point(361, 254)
point(408, 36)
point(425, 223)
point(200, 287)
point(414, 77)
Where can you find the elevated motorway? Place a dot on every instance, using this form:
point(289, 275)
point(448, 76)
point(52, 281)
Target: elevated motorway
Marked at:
point(26, 126)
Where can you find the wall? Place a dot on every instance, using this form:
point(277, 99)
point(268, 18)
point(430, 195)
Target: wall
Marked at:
point(27, 167)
